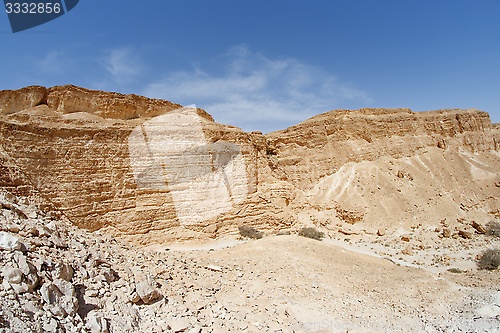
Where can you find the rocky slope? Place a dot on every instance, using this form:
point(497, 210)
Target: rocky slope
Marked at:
point(149, 171)
point(55, 277)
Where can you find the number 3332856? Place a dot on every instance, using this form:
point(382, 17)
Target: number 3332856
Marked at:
point(32, 8)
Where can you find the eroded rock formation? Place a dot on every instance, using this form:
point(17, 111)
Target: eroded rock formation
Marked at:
point(151, 171)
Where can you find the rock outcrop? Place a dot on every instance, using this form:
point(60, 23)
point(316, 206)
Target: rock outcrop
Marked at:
point(324, 143)
point(13, 101)
point(152, 171)
point(392, 168)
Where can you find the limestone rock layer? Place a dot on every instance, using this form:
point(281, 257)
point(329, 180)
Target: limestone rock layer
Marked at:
point(152, 171)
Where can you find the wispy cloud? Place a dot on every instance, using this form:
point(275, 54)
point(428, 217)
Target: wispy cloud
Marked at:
point(258, 93)
point(54, 62)
point(122, 64)
point(248, 89)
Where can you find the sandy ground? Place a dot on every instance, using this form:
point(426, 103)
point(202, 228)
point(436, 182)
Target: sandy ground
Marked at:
point(334, 286)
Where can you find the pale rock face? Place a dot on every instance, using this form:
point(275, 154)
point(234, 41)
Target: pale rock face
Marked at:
point(393, 167)
point(170, 152)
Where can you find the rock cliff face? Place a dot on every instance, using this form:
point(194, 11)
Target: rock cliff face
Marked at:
point(392, 168)
point(330, 140)
point(152, 171)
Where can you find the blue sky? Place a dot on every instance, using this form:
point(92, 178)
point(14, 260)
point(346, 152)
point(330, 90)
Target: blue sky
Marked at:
point(268, 64)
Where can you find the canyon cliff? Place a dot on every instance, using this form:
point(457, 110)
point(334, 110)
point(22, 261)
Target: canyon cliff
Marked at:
point(152, 171)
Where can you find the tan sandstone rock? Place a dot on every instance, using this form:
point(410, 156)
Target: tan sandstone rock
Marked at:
point(149, 171)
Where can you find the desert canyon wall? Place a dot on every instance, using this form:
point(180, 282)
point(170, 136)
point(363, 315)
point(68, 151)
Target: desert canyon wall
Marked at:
point(153, 171)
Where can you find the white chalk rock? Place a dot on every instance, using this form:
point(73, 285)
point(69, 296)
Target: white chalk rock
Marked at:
point(96, 323)
point(146, 292)
point(12, 275)
point(9, 242)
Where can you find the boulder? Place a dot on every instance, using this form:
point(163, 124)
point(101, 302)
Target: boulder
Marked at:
point(146, 292)
point(406, 238)
point(63, 271)
point(480, 229)
point(12, 275)
point(96, 323)
point(9, 242)
point(465, 233)
point(61, 296)
point(22, 263)
point(30, 275)
point(179, 325)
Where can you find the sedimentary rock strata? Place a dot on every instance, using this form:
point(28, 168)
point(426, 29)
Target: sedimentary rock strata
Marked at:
point(150, 170)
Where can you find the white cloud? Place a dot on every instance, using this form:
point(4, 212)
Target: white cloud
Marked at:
point(258, 93)
point(54, 62)
point(122, 64)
